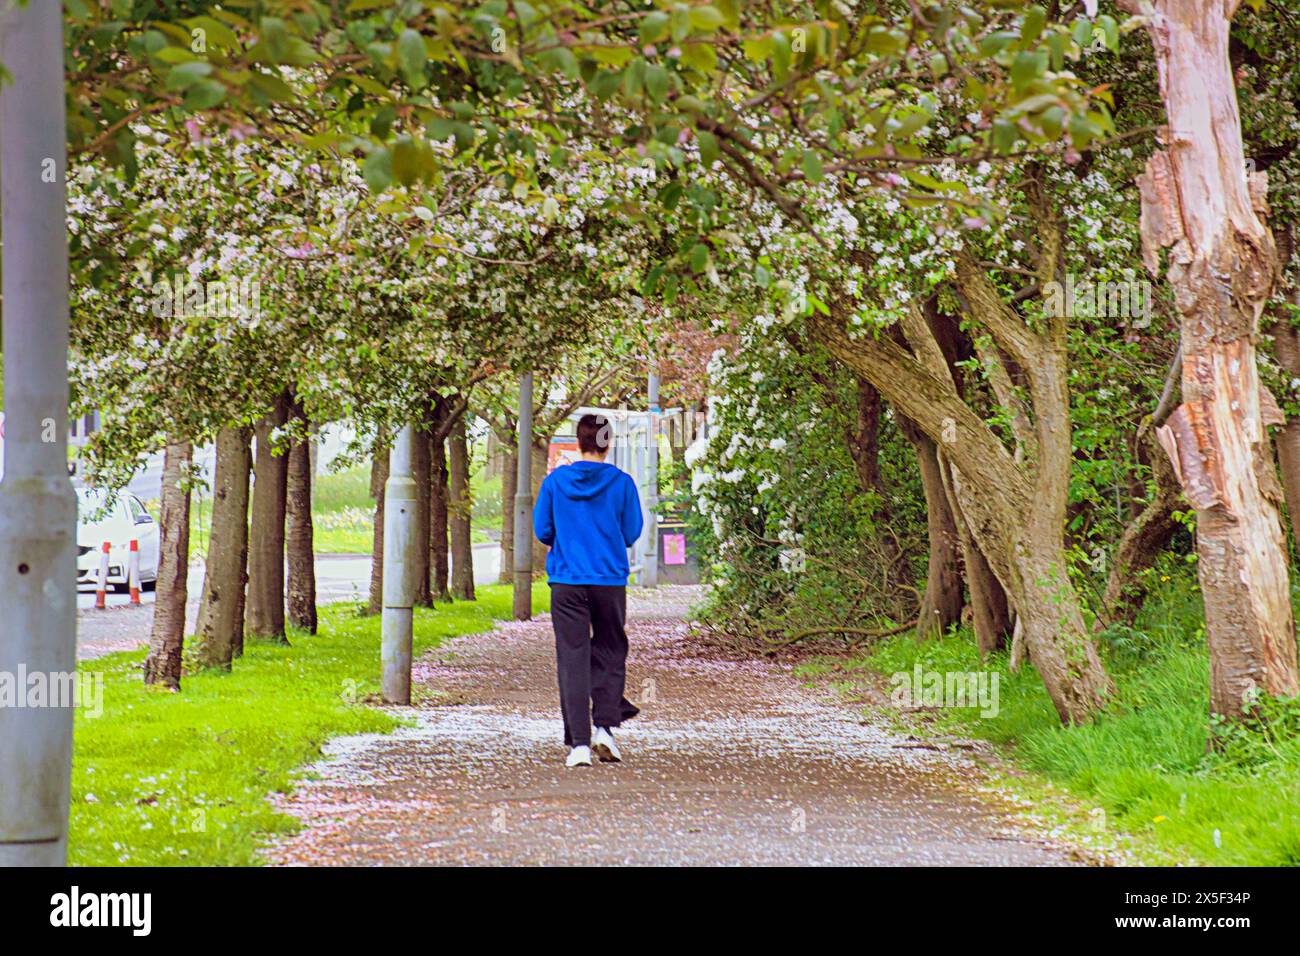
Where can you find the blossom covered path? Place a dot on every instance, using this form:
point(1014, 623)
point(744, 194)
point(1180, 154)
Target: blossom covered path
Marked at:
point(730, 762)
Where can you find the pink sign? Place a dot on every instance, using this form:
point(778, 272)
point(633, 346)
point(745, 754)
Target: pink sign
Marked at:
point(674, 549)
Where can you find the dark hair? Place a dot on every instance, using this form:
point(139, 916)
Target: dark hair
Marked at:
point(594, 434)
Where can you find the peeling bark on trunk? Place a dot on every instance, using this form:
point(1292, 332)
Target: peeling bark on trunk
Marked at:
point(300, 593)
point(265, 614)
point(942, 602)
point(1286, 346)
point(460, 506)
point(162, 667)
point(378, 479)
point(220, 627)
point(1197, 199)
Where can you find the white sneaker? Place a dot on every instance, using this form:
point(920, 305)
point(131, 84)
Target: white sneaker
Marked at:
point(603, 744)
point(579, 757)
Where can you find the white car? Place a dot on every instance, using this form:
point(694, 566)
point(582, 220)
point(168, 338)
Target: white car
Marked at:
point(117, 520)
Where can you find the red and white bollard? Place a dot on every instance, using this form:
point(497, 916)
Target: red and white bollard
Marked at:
point(101, 594)
point(133, 572)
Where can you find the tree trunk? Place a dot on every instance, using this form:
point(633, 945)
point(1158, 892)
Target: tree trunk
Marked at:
point(863, 440)
point(991, 617)
point(439, 543)
point(539, 474)
point(378, 479)
point(163, 665)
point(509, 483)
point(990, 612)
point(1144, 538)
point(220, 627)
point(1015, 509)
point(1286, 346)
point(1196, 199)
point(422, 473)
point(459, 505)
point(265, 615)
point(300, 594)
point(942, 602)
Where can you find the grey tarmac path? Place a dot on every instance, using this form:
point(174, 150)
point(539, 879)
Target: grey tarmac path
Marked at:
point(732, 762)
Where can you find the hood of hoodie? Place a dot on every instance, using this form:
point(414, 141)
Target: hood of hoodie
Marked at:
point(581, 480)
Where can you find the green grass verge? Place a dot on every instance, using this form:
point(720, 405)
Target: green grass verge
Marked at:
point(343, 513)
point(1145, 761)
point(162, 779)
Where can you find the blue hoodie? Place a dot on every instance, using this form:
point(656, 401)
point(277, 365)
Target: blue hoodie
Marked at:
point(589, 514)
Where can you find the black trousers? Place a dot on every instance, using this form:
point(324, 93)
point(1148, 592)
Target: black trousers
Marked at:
point(590, 657)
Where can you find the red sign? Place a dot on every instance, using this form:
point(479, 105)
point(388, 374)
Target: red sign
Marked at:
point(562, 451)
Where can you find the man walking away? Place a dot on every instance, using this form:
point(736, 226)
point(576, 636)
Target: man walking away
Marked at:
point(589, 514)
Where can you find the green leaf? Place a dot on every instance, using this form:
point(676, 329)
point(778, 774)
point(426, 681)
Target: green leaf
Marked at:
point(689, 104)
point(561, 60)
point(1058, 43)
point(708, 147)
point(411, 57)
point(656, 82)
point(378, 169)
point(1031, 28)
point(1082, 32)
point(216, 34)
point(730, 10)
point(995, 43)
point(1004, 135)
point(653, 27)
point(407, 163)
point(1028, 65)
point(1052, 121)
point(184, 75)
point(700, 56)
point(699, 257)
point(204, 95)
point(651, 281)
point(910, 123)
point(812, 166)
point(272, 87)
point(758, 49)
point(705, 19)
point(1109, 31)
point(780, 55)
point(275, 39)
point(680, 22)
point(382, 124)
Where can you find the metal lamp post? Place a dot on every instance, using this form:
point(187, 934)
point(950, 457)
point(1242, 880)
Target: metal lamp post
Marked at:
point(38, 508)
point(650, 559)
point(399, 571)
